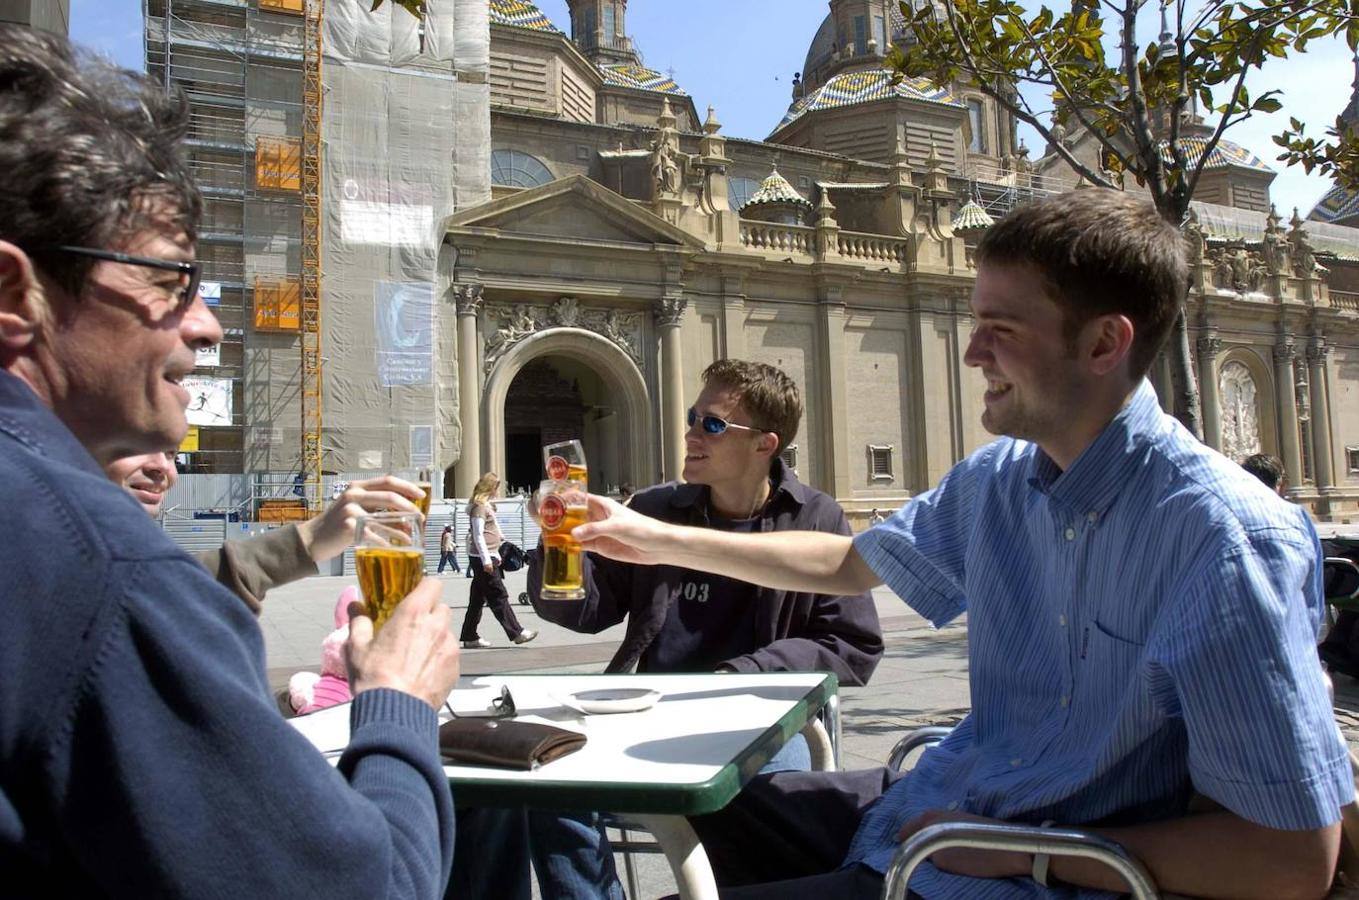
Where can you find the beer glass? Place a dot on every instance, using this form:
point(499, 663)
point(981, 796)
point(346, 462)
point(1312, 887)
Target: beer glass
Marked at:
point(390, 558)
point(561, 507)
point(565, 461)
point(421, 479)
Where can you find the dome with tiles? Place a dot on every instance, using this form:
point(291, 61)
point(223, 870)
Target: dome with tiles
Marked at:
point(849, 88)
point(520, 14)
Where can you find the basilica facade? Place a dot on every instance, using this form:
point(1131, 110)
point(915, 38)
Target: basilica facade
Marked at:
point(628, 243)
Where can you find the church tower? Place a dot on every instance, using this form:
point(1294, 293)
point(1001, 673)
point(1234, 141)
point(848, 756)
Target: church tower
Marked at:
point(599, 29)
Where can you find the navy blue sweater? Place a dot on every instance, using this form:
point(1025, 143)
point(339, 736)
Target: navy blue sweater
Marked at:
point(140, 751)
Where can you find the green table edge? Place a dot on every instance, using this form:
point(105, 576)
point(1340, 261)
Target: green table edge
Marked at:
point(650, 799)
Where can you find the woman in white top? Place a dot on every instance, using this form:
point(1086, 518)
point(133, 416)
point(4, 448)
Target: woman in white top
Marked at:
point(488, 581)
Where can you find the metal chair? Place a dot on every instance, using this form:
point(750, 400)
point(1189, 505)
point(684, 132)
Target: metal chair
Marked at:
point(1054, 841)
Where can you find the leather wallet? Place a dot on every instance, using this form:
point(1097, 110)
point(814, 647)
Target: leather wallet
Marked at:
point(506, 743)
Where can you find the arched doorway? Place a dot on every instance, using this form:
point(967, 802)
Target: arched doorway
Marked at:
point(567, 383)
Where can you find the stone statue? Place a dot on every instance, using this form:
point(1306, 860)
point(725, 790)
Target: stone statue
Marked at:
point(1240, 419)
point(1193, 236)
point(566, 311)
point(664, 170)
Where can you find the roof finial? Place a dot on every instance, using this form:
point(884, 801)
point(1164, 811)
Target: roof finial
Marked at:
point(1166, 48)
point(933, 162)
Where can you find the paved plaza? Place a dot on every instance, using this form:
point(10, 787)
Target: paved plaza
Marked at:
point(921, 680)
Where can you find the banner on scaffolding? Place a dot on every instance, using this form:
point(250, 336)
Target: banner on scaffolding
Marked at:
point(404, 313)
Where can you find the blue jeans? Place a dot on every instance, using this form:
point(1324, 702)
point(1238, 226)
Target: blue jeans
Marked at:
point(571, 851)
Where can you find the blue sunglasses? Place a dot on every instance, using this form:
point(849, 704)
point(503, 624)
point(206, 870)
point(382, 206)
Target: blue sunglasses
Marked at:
point(716, 424)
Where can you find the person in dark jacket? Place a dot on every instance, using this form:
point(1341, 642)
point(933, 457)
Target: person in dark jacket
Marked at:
point(679, 620)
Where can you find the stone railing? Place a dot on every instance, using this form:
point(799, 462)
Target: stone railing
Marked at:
point(1345, 300)
point(778, 238)
point(874, 248)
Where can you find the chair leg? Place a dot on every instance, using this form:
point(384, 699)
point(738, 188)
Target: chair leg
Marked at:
point(630, 868)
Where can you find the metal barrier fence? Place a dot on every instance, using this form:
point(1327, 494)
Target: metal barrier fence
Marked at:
point(192, 533)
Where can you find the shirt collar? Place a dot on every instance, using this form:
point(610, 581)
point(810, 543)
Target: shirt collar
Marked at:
point(783, 479)
point(1093, 481)
point(25, 418)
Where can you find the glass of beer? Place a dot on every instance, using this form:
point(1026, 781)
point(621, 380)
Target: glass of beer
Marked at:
point(390, 558)
point(561, 507)
point(421, 479)
point(565, 461)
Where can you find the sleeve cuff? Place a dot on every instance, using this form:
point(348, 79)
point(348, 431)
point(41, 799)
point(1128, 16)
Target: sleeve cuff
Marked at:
point(1314, 802)
point(911, 577)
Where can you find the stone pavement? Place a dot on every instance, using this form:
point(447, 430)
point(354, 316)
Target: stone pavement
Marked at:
point(921, 680)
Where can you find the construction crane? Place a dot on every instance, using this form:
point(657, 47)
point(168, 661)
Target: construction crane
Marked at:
point(312, 99)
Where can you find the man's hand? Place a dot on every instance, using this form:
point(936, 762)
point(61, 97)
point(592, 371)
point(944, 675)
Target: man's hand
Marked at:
point(619, 533)
point(414, 653)
point(967, 861)
point(331, 533)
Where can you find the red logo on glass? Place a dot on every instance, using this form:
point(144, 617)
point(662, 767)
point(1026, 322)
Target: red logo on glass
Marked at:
point(557, 468)
point(552, 511)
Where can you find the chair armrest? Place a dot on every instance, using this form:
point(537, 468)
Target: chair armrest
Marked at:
point(1019, 838)
point(921, 737)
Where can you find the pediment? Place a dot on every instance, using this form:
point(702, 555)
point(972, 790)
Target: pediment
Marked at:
point(576, 208)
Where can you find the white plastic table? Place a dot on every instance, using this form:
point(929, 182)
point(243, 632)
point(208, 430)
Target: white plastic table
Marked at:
point(689, 754)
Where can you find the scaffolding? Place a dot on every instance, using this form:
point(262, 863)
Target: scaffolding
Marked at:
point(240, 64)
point(312, 94)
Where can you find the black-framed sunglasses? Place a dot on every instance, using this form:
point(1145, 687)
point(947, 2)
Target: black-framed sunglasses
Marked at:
point(716, 424)
point(501, 707)
point(190, 273)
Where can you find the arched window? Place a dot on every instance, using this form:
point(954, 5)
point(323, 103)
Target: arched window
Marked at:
point(739, 190)
point(517, 169)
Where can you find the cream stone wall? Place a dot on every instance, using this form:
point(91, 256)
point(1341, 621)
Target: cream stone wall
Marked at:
point(877, 411)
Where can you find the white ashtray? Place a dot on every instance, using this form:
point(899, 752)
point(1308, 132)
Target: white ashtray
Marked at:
point(602, 701)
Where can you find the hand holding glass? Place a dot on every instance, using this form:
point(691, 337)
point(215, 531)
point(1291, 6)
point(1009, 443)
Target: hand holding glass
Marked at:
point(389, 556)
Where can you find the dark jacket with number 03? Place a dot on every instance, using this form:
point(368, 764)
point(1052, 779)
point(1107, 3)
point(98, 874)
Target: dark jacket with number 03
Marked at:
point(795, 631)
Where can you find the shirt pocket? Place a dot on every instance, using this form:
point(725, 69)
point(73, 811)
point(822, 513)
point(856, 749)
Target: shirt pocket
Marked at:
point(1110, 669)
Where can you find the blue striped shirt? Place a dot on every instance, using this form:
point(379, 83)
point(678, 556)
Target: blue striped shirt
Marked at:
point(1139, 626)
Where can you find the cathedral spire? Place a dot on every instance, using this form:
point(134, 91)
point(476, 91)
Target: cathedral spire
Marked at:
point(1351, 114)
point(599, 29)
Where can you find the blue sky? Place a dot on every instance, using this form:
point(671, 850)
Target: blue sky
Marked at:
point(740, 56)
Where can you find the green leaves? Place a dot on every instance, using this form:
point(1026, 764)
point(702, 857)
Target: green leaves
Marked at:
point(1129, 104)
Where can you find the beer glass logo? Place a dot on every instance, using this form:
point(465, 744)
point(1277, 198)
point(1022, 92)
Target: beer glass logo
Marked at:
point(557, 468)
point(553, 510)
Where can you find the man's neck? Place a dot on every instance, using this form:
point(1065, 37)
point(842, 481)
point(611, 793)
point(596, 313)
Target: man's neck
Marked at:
point(1068, 447)
point(738, 500)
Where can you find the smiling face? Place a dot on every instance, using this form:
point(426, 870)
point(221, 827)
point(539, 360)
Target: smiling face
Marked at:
point(1035, 386)
point(147, 477)
point(112, 359)
point(732, 457)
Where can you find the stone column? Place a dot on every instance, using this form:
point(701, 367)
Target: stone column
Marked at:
point(1287, 401)
point(669, 313)
point(1321, 414)
point(468, 300)
point(733, 315)
point(833, 415)
point(1209, 345)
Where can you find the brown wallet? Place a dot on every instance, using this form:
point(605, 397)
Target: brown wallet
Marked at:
point(507, 743)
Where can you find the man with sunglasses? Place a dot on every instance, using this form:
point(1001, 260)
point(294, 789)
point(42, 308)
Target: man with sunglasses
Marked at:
point(683, 620)
point(141, 753)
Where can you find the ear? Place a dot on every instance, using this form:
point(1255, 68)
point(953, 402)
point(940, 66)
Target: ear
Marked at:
point(21, 301)
point(768, 443)
point(1108, 342)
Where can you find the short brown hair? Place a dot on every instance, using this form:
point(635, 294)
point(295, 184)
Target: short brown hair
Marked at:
point(1101, 252)
point(767, 394)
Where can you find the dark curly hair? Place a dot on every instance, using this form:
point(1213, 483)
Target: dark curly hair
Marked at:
point(89, 152)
